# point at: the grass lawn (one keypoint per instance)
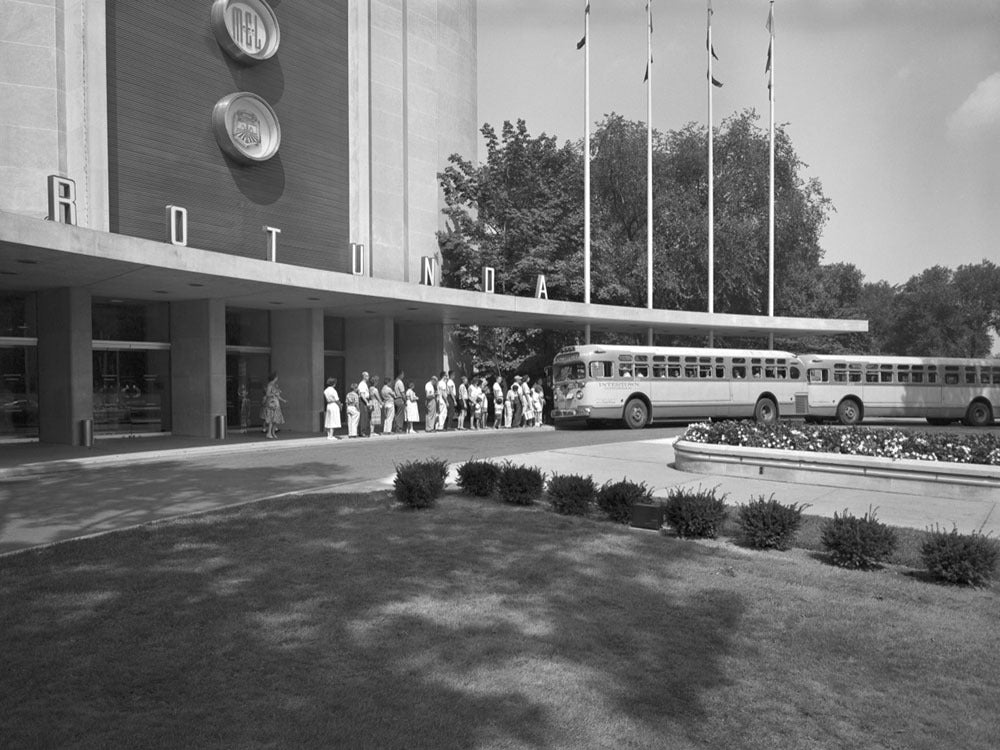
(347, 622)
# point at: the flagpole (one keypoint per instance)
(711, 181)
(586, 162)
(770, 222)
(649, 155)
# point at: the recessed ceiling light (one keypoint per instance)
(313, 299)
(276, 303)
(192, 283)
(370, 312)
(27, 262)
(160, 291)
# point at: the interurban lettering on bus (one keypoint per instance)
(640, 385)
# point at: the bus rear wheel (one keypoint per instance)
(849, 412)
(636, 414)
(979, 414)
(766, 411)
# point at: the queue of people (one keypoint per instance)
(375, 407)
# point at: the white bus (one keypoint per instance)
(640, 384)
(938, 389)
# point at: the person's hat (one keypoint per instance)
(517, 378)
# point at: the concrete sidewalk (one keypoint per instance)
(648, 461)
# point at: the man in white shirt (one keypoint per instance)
(463, 402)
(365, 417)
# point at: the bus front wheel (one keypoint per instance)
(636, 414)
(766, 411)
(849, 412)
(979, 414)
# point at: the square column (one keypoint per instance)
(369, 347)
(197, 365)
(297, 357)
(65, 365)
(420, 349)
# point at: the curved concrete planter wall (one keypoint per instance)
(937, 478)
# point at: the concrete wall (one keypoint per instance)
(54, 109)
(421, 107)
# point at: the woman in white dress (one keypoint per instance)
(412, 411)
(331, 420)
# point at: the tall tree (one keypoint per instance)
(521, 213)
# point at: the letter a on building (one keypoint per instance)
(540, 291)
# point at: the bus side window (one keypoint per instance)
(641, 370)
(794, 373)
(659, 371)
(932, 377)
(885, 376)
(819, 375)
(951, 378)
(690, 371)
(756, 371)
(904, 377)
(625, 370)
(720, 372)
(739, 372)
(600, 369)
(673, 371)
(871, 376)
(970, 375)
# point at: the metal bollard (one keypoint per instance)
(219, 427)
(87, 433)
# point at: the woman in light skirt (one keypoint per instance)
(331, 420)
(412, 410)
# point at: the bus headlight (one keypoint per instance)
(579, 393)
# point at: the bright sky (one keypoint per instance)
(894, 105)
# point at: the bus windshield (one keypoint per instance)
(569, 371)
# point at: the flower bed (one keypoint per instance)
(982, 448)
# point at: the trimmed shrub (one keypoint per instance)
(859, 543)
(968, 559)
(695, 514)
(478, 478)
(571, 495)
(617, 498)
(419, 483)
(768, 524)
(520, 485)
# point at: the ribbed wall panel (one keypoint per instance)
(166, 71)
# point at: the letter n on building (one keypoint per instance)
(428, 271)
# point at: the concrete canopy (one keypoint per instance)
(36, 255)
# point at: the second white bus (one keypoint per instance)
(849, 388)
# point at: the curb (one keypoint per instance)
(929, 478)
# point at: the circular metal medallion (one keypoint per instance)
(246, 29)
(246, 127)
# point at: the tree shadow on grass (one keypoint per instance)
(302, 623)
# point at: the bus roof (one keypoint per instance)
(684, 351)
(893, 360)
